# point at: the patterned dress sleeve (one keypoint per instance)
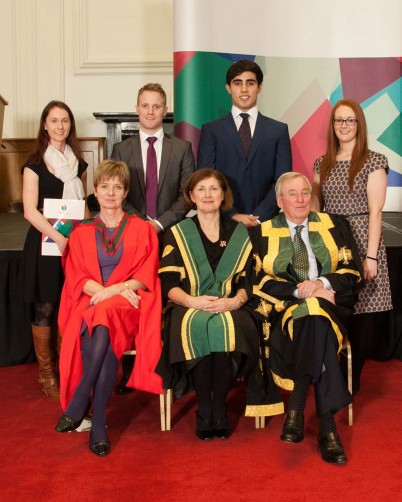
(317, 165)
(377, 161)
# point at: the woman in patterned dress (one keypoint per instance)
(351, 180)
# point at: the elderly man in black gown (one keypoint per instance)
(307, 273)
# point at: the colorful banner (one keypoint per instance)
(301, 89)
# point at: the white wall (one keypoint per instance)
(92, 54)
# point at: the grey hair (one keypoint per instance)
(290, 176)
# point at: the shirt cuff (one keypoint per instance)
(159, 224)
(325, 281)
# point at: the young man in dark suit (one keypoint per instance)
(251, 150)
(173, 162)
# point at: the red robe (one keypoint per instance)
(127, 325)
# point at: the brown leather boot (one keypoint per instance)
(43, 351)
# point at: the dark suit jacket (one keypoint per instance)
(252, 182)
(177, 165)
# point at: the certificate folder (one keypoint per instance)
(63, 215)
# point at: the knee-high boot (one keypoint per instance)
(43, 351)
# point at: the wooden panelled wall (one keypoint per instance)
(13, 154)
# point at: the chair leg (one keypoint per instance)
(350, 380)
(259, 422)
(169, 401)
(162, 405)
(165, 402)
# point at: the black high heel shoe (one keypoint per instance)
(101, 448)
(66, 424)
(204, 430)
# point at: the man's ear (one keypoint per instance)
(228, 89)
(279, 202)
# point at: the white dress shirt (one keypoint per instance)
(312, 262)
(252, 120)
(158, 150)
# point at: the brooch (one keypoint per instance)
(222, 244)
(345, 255)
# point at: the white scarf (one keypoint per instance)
(65, 166)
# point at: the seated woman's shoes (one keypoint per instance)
(293, 427)
(221, 428)
(331, 449)
(204, 429)
(66, 424)
(101, 448)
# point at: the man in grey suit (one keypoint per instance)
(251, 150)
(174, 165)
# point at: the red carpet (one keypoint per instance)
(145, 464)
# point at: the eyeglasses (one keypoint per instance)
(349, 121)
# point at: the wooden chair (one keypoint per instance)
(345, 351)
(163, 407)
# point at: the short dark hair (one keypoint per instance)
(240, 67)
(203, 174)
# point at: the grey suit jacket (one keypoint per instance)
(177, 165)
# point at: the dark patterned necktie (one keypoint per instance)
(151, 182)
(245, 133)
(300, 255)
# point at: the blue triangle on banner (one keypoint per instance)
(236, 57)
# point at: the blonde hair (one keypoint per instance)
(108, 169)
(155, 88)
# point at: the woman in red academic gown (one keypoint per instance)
(111, 299)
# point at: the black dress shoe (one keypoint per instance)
(221, 428)
(66, 424)
(101, 448)
(331, 449)
(121, 388)
(293, 427)
(204, 429)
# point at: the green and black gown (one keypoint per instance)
(199, 267)
(304, 337)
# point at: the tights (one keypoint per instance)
(45, 313)
(99, 373)
(212, 378)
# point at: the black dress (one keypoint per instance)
(42, 276)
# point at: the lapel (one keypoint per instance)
(257, 137)
(167, 146)
(139, 174)
(230, 128)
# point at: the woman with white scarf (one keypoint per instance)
(54, 171)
